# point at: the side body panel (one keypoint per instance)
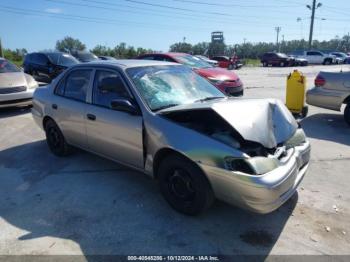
(333, 93)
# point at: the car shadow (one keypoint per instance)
(108, 209)
(14, 111)
(331, 127)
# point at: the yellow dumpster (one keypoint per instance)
(295, 94)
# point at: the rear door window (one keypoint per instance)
(163, 58)
(311, 53)
(149, 57)
(76, 85)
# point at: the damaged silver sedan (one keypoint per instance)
(170, 123)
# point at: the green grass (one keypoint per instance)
(252, 62)
(18, 63)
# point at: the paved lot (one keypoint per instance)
(87, 205)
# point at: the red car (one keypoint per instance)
(226, 81)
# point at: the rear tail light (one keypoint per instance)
(319, 81)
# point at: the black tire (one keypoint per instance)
(265, 64)
(184, 186)
(304, 111)
(347, 114)
(282, 64)
(327, 62)
(55, 139)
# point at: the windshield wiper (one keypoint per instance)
(164, 107)
(208, 98)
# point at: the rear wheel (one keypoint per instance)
(184, 185)
(55, 139)
(347, 114)
(265, 64)
(282, 64)
(304, 111)
(327, 62)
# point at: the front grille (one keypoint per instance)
(232, 89)
(10, 90)
(230, 83)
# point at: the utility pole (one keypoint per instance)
(313, 9)
(1, 51)
(278, 30)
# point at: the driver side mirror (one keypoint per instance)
(124, 105)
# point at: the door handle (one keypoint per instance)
(54, 106)
(91, 117)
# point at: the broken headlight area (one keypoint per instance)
(251, 166)
(297, 139)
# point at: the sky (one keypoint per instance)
(156, 24)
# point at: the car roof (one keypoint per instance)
(166, 54)
(49, 53)
(126, 63)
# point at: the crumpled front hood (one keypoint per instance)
(12, 79)
(265, 121)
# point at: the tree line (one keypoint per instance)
(244, 50)
(255, 50)
(121, 50)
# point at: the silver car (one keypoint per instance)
(331, 91)
(16, 87)
(206, 59)
(165, 120)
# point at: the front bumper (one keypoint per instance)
(264, 193)
(17, 99)
(231, 90)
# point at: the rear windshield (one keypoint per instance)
(86, 56)
(8, 67)
(282, 55)
(192, 61)
(62, 59)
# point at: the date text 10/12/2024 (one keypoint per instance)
(172, 258)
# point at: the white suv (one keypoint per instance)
(317, 57)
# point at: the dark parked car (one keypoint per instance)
(45, 66)
(84, 56)
(276, 59)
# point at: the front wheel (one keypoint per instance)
(347, 114)
(184, 185)
(282, 64)
(55, 139)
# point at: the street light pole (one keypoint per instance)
(278, 30)
(313, 8)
